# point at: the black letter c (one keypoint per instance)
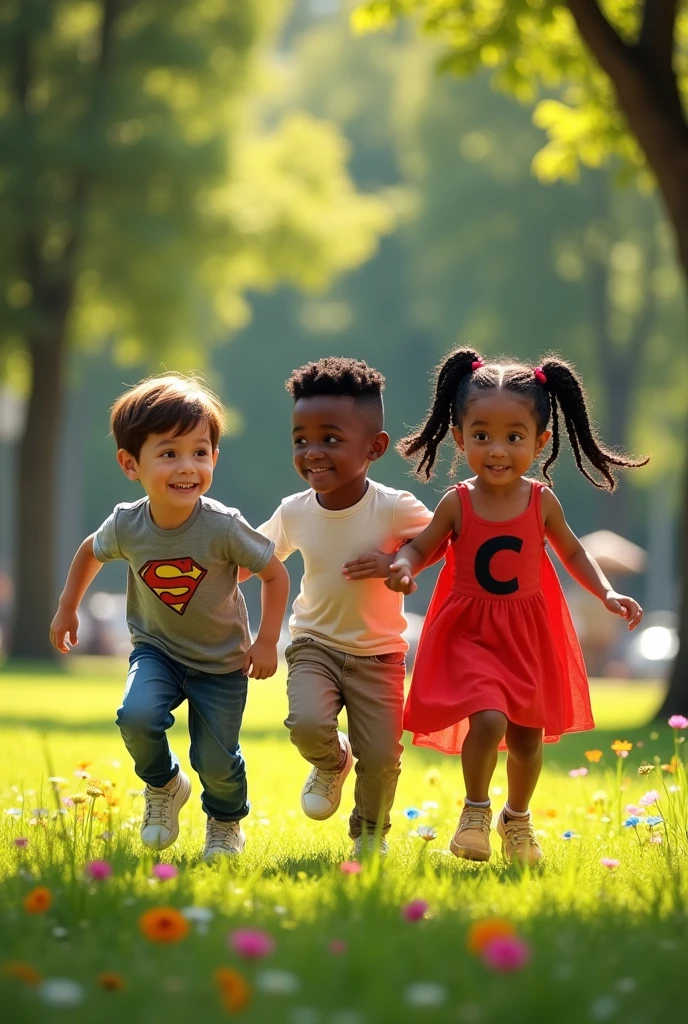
(484, 556)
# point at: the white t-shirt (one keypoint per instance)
(360, 617)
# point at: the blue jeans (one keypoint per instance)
(156, 685)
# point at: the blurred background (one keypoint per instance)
(247, 187)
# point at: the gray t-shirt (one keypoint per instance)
(182, 593)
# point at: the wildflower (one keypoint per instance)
(198, 915)
(551, 812)
(111, 981)
(20, 970)
(646, 769)
(21, 842)
(350, 867)
(425, 993)
(82, 775)
(57, 780)
(632, 822)
(338, 947)
(415, 910)
(61, 992)
(576, 773)
(674, 789)
(251, 943)
(278, 983)
(655, 838)
(95, 791)
(506, 953)
(14, 812)
(164, 872)
(98, 870)
(412, 813)
(622, 747)
(654, 820)
(426, 832)
(38, 900)
(83, 765)
(164, 924)
(595, 756)
(634, 809)
(609, 862)
(678, 722)
(432, 777)
(649, 798)
(569, 834)
(234, 989)
(672, 766)
(430, 805)
(76, 799)
(481, 933)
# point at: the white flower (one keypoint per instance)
(14, 812)
(82, 774)
(40, 812)
(277, 983)
(425, 993)
(198, 915)
(426, 832)
(603, 1008)
(61, 992)
(430, 805)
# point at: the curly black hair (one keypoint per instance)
(341, 377)
(549, 388)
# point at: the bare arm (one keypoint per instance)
(582, 566)
(83, 570)
(261, 658)
(415, 556)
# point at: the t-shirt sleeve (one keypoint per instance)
(410, 517)
(246, 547)
(105, 542)
(275, 531)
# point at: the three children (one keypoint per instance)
(498, 663)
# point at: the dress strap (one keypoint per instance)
(464, 498)
(538, 488)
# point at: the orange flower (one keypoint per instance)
(672, 766)
(481, 933)
(21, 971)
(551, 812)
(234, 989)
(111, 981)
(83, 765)
(164, 924)
(38, 900)
(618, 746)
(594, 755)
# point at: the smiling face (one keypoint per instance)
(335, 438)
(174, 471)
(499, 436)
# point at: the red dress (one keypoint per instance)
(498, 636)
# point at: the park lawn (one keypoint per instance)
(605, 944)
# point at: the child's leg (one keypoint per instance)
(374, 698)
(523, 765)
(479, 753)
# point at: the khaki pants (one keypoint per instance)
(321, 682)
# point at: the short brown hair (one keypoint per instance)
(169, 402)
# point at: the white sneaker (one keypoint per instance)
(321, 795)
(223, 838)
(370, 846)
(160, 826)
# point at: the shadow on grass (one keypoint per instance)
(43, 724)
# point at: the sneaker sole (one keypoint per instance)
(466, 853)
(340, 783)
(178, 801)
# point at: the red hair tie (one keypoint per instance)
(540, 374)
(477, 365)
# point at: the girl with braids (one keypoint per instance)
(499, 665)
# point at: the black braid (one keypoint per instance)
(556, 440)
(450, 374)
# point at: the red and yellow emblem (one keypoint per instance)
(173, 580)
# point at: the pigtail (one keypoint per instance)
(426, 440)
(568, 395)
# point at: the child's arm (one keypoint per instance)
(261, 658)
(377, 565)
(581, 565)
(83, 570)
(417, 554)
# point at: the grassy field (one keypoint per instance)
(603, 943)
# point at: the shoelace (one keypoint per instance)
(520, 831)
(157, 804)
(322, 782)
(475, 817)
(220, 832)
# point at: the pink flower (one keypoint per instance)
(415, 910)
(506, 953)
(350, 867)
(678, 722)
(338, 946)
(649, 798)
(609, 862)
(164, 872)
(251, 943)
(98, 870)
(576, 773)
(634, 809)
(21, 842)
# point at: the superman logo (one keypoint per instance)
(173, 580)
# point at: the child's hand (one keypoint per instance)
(626, 607)
(260, 661)
(65, 622)
(372, 565)
(400, 578)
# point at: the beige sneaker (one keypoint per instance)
(518, 840)
(369, 846)
(472, 837)
(160, 826)
(223, 838)
(321, 795)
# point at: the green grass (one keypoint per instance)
(604, 945)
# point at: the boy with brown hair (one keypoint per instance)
(186, 615)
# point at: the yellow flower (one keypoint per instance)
(78, 798)
(672, 766)
(594, 755)
(645, 769)
(482, 932)
(94, 790)
(234, 989)
(83, 765)
(21, 971)
(164, 924)
(38, 900)
(621, 746)
(111, 981)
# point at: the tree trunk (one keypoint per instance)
(36, 493)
